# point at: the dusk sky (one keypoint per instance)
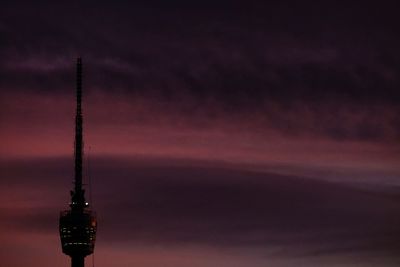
(217, 133)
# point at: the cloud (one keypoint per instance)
(167, 202)
(264, 101)
(249, 57)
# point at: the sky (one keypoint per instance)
(217, 133)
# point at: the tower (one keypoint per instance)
(78, 224)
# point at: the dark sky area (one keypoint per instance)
(217, 133)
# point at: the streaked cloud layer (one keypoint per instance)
(219, 134)
(171, 208)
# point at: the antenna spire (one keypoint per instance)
(78, 225)
(78, 195)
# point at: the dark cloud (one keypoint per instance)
(237, 56)
(232, 80)
(239, 208)
(330, 80)
(176, 203)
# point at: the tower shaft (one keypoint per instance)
(77, 261)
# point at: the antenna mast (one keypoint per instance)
(78, 195)
(78, 225)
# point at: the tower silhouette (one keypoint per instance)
(78, 224)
